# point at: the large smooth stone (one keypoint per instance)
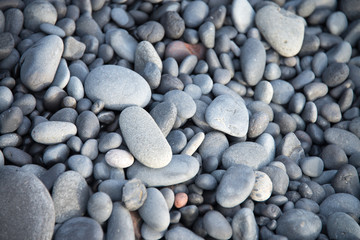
(340, 202)
(299, 224)
(228, 115)
(341, 226)
(53, 132)
(346, 140)
(235, 186)
(180, 169)
(283, 30)
(26, 207)
(250, 154)
(144, 138)
(117, 87)
(40, 62)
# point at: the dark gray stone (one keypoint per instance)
(340, 202)
(79, 228)
(216, 225)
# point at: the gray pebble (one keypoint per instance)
(36, 13)
(346, 180)
(185, 105)
(342, 226)
(81, 164)
(286, 122)
(303, 79)
(310, 112)
(90, 149)
(86, 25)
(69, 186)
(207, 34)
(337, 23)
(264, 92)
(279, 179)
(173, 23)
(99, 207)
(178, 233)
(315, 90)
(283, 91)
(62, 75)
(253, 60)
(79, 228)
(177, 141)
(79, 69)
(289, 224)
(10, 120)
(181, 168)
(120, 218)
(14, 20)
(112, 86)
(73, 49)
(335, 74)
(194, 91)
(151, 31)
(109, 141)
(155, 211)
(170, 66)
(242, 15)
(88, 125)
(7, 98)
(145, 52)
(51, 29)
(233, 114)
(144, 138)
(122, 18)
(49, 177)
(244, 225)
(216, 225)
(52, 132)
(56, 154)
(152, 75)
(28, 203)
(112, 187)
(134, 194)
(331, 112)
(123, 43)
(340, 53)
(195, 13)
(67, 25)
(340, 202)
(235, 186)
(148, 233)
(312, 166)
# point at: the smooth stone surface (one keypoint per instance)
(119, 158)
(283, 91)
(123, 43)
(143, 137)
(178, 233)
(340, 202)
(134, 194)
(235, 186)
(180, 169)
(228, 115)
(242, 15)
(346, 180)
(38, 12)
(283, 30)
(185, 105)
(312, 166)
(145, 52)
(10, 120)
(164, 115)
(100, 206)
(108, 83)
(263, 187)
(244, 225)
(40, 62)
(79, 228)
(120, 219)
(346, 140)
(342, 226)
(253, 60)
(155, 212)
(26, 206)
(52, 132)
(299, 224)
(250, 154)
(279, 178)
(70, 195)
(195, 13)
(216, 225)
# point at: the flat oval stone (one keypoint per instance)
(346, 140)
(235, 186)
(70, 195)
(180, 169)
(26, 207)
(40, 62)
(52, 132)
(228, 115)
(299, 224)
(117, 87)
(253, 60)
(80, 228)
(283, 30)
(119, 158)
(340, 202)
(342, 226)
(123, 43)
(144, 138)
(244, 225)
(242, 15)
(155, 212)
(250, 154)
(120, 219)
(216, 225)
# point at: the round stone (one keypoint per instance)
(26, 207)
(263, 187)
(38, 12)
(99, 206)
(52, 132)
(134, 194)
(216, 225)
(80, 228)
(119, 158)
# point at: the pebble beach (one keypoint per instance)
(179, 119)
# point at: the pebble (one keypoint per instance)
(28, 203)
(144, 138)
(342, 226)
(235, 186)
(279, 179)
(81, 164)
(40, 62)
(214, 145)
(181, 168)
(207, 34)
(340, 202)
(155, 211)
(195, 13)
(122, 43)
(111, 86)
(263, 187)
(52, 132)
(181, 200)
(299, 224)
(17, 156)
(145, 52)
(312, 166)
(70, 195)
(122, 18)
(205, 83)
(346, 180)
(283, 91)
(335, 74)
(337, 23)
(342, 138)
(80, 228)
(250, 154)
(120, 219)
(174, 24)
(340, 53)
(88, 125)
(177, 141)
(179, 232)
(73, 49)
(119, 158)
(244, 225)
(179, 50)
(7, 98)
(228, 115)
(242, 15)
(283, 30)
(216, 225)
(109, 141)
(99, 206)
(38, 12)
(10, 120)
(253, 60)
(185, 105)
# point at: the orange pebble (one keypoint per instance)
(180, 50)
(181, 200)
